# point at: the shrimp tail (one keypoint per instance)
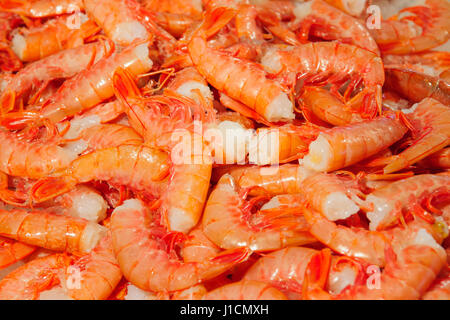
(125, 86)
(316, 275)
(215, 21)
(51, 187)
(19, 120)
(232, 256)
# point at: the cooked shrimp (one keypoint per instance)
(99, 273)
(137, 240)
(50, 231)
(28, 281)
(283, 269)
(431, 28)
(284, 179)
(333, 61)
(245, 290)
(417, 86)
(183, 201)
(253, 89)
(148, 175)
(87, 89)
(334, 198)
(362, 244)
(42, 8)
(341, 147)
(319, 19)
(53, 36)
(35, 76)
(121, 20)
(33, 160)
(229, 222)
(431, 123)
(407, 275)
(405, 195)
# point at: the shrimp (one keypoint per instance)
(417, 86)
(253, 89)
(183, 201)
(341, 147)
(35, 76)
(246, 25)
(33, 160)
(148, 174)
(121, 20)
(28, 281)
(245, 290)
(42, 8)
(137, 241)
(50, 231)
(82, 202)
(12, 251)
(87, 89)
(99, 273)
(312, 62)
(336, 199)
(431, 28)
(318, 18)
(285, 179)
(431, 123)
(229, 222)
(358, 243)
(53, 36)
(283, 269)
(405, 195)
(408, 273)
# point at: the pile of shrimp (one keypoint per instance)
(224, 149)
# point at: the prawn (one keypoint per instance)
(50, 231)
(229, 222)
(34, 77)
(99, 272)
(405, 195)
(191, 169)
(334, 62)
(41, 8)
(431, 28)
(85, 90)
(53, 36)
(253, 89)
(362, 244)
(341, 147)
(417, 86)
(28, 281)
(245, 290)
(440, 159)
(138, 242)
(148, 174)
(407, 275)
